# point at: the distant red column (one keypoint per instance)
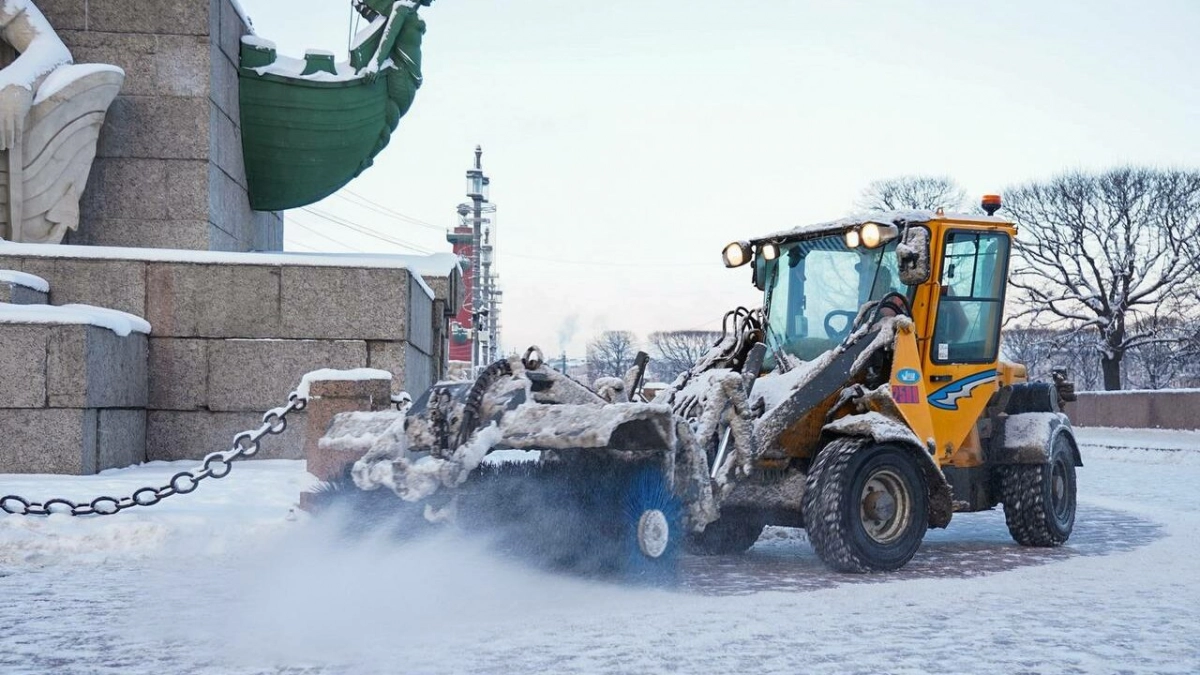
(461, 238)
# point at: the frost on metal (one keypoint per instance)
(612, 389)
(883, 340)
(588, 426)
(1026, 437)
(914, 257)
(841, 224)
(775, 389)
(559, 418)
(874, 425)
(416, 476)
(361, 431)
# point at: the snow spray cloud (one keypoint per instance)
(316, 596)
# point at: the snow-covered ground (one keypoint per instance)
(230, 580)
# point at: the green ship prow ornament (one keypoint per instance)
(310, 125)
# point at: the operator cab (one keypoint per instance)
(817, 279)
(813, 292)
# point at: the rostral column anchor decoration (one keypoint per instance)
(50, 117)
(311, 125)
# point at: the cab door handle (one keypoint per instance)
(939, 378)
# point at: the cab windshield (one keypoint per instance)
(815, 288)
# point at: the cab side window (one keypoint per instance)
(974, 270)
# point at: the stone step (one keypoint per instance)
(73, 389)
(20, 288)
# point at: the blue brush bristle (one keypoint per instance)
(647, 490)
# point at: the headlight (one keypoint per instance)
(870, 235)
(852, 239)
(736, 254)
(769, 251)
(874, 234)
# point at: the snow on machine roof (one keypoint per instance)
(842, 224)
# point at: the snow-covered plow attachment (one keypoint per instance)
(590, 481)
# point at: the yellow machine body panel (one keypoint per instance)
(908, 386)
(957, 314)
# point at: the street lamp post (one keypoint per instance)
(485, 295)
(477, 192)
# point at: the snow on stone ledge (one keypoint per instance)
(25, 280)
(118, 322)
(354, 374)
(434, 264)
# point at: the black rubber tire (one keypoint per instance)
(1039, 499)
(731, 534)
(834, 507)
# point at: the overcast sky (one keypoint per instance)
(628, 141)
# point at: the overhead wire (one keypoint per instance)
(605, 263)
(359, 200)
(362, 229)
(314, 231)
(301, 246)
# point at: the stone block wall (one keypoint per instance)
(17, 294)
(168, 171)
(72, 398)
(232, 334)
(1162, 409)
(448, 296)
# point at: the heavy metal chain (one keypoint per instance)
(215, 465)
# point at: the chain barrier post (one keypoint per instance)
(328, 398)
(214, 465)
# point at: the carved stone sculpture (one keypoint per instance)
(51, 112)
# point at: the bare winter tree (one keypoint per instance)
(675, 351)
(611, 353)
(1034, 348)
(1162, 363)
(913, 192)
(1106, 255)
(1041, 350)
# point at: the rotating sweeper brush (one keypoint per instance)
(591, 518)
(601, 489)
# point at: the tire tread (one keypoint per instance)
(1025, 508)
(824, 521)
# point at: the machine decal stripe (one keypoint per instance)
(948, 396)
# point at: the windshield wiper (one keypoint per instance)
(772, 335)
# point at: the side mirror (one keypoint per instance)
(913, 255)
(759, 276)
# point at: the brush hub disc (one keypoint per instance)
(653, 533)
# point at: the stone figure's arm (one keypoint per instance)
(41, 51)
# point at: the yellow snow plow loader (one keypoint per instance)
(864, 401)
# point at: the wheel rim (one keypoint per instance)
(885, 506)
(1059, 490)
(653, 533)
